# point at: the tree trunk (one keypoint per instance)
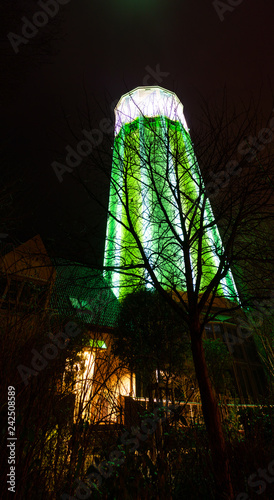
(212, 419)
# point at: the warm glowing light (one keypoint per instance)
(83, 384)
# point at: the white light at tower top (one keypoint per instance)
(148, 101)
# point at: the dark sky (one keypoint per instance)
(94, 52)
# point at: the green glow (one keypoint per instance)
(80, 303)
(98, 344)
(75, 302)
(154, 171)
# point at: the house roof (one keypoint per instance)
(28, 260)
(82, 293)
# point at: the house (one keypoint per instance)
(36, 290)
(38, 298)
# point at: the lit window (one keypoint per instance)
(99, 344)
(81, 304)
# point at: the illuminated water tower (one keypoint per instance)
(157, 199)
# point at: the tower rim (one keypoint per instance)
(147, 87)
(151, 101)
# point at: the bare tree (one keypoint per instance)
(183, 229)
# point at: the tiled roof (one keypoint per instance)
(83, 293)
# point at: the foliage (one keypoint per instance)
(151, 337)
(258, 422)
(175, 462)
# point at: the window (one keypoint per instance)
(21, 295)
(11, 293)
(209, 332)
(82, 305)
(84, 371)
(99, 344)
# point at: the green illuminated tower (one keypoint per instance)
(160, 222)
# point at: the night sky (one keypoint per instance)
(85, 57)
